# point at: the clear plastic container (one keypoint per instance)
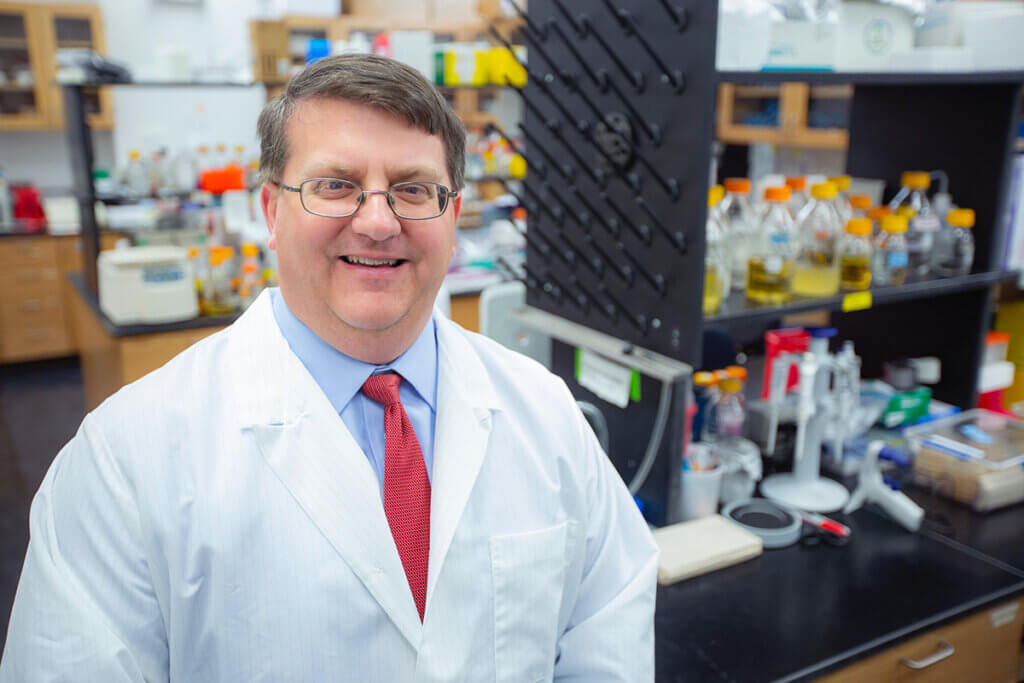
(877, 214)
(740, 225)
(889, 263)
(855, 255)
(220, 297)
(922, 222)
(731, 410)
(817, 265)
(716, 256)
(861, 204)
(843, 205)
(770, 266)
(953, 252)
(135, 176)
(798, 196)
(251, 283)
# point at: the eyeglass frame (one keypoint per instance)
(451, 194)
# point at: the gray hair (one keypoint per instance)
(372, 80)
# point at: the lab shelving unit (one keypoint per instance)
(622, 250)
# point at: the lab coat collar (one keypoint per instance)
(310, 450)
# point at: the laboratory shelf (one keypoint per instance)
(904, 78)
(738, 308)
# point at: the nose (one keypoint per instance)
(375, 219)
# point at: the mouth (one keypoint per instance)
(372, 262)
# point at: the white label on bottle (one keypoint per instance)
(773, 265)
(607, 379)
(929, 223)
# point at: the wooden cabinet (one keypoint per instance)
(35, 303)
(791, 114)
(30, 35)
(983, 648)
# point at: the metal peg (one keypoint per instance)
(652, 129)
(600, 78)
(679, 15)
(624, 272)
(638, 321)
(569, 172)
(612, 226)
(671, 76)
(539, 30)
(641, 231)
(676, 238)
(568, 17)
(656, 280)
(635, 77)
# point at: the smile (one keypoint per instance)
(373, 262)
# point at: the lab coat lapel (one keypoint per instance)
(315, 457)
(465, 401)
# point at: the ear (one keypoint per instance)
(269, 194)
(456, 210)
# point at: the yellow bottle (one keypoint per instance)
(817, 268)
(855, 255)
(770, 267)
(716, 263)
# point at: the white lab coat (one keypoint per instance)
(215, 521)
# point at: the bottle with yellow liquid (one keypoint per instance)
(855, 255)
(889, 262)
(817, 265)
(716, 255)
(770, 267)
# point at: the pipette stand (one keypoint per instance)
(804, 488)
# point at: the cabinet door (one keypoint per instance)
(78, 26)
(24, 81)
(748, 114)
(816, 116)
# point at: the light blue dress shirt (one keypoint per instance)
(341, 378)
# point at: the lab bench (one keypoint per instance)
(870, 610)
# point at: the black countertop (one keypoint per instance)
(998, 535)
(798, 613)
(115, 330)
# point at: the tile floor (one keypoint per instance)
(41, 406)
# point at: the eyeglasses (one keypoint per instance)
(337, 198)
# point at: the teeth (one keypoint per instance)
(359, 260)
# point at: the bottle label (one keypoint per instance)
(773, 265)
(898, 259)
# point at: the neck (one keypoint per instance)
(376, 347)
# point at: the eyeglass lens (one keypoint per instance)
(338, 198)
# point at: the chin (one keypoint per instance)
(372, 317)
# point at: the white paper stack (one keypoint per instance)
(703, 545)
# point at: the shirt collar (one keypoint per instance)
(340, 376)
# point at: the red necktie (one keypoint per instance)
(406, 486)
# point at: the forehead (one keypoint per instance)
(352, 135)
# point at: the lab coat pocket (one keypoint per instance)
(528, 570)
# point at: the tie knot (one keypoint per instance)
(383, 388)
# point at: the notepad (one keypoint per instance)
(703, 545)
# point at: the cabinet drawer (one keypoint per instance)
(29, 280)
(25, 251)
(32, 310)
(982, 648)
(30, 343)
(69, 249)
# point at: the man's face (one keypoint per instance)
(338, 299)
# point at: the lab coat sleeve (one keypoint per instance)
(85, 609)
(610, 633)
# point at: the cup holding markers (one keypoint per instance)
(701, 483)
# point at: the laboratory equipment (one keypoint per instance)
(716, 256)
(842, 200)
(699, 487)
(741, 227)
(922, 221)
(877, 214)
(740, 460)
(147, 285)
(855, 255)
(975, 457)
(889, 263)
(804, 488)
(798, 197)
(730, 410)
(219, 297)
(871, 488)
(704, 384)
(770, 266)
(777, 342)
(775, 525)
(953, 253)
(251, 283)
(819, 227)
(861, 205)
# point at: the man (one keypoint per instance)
(217, 521)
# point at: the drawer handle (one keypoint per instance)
(945, 651)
